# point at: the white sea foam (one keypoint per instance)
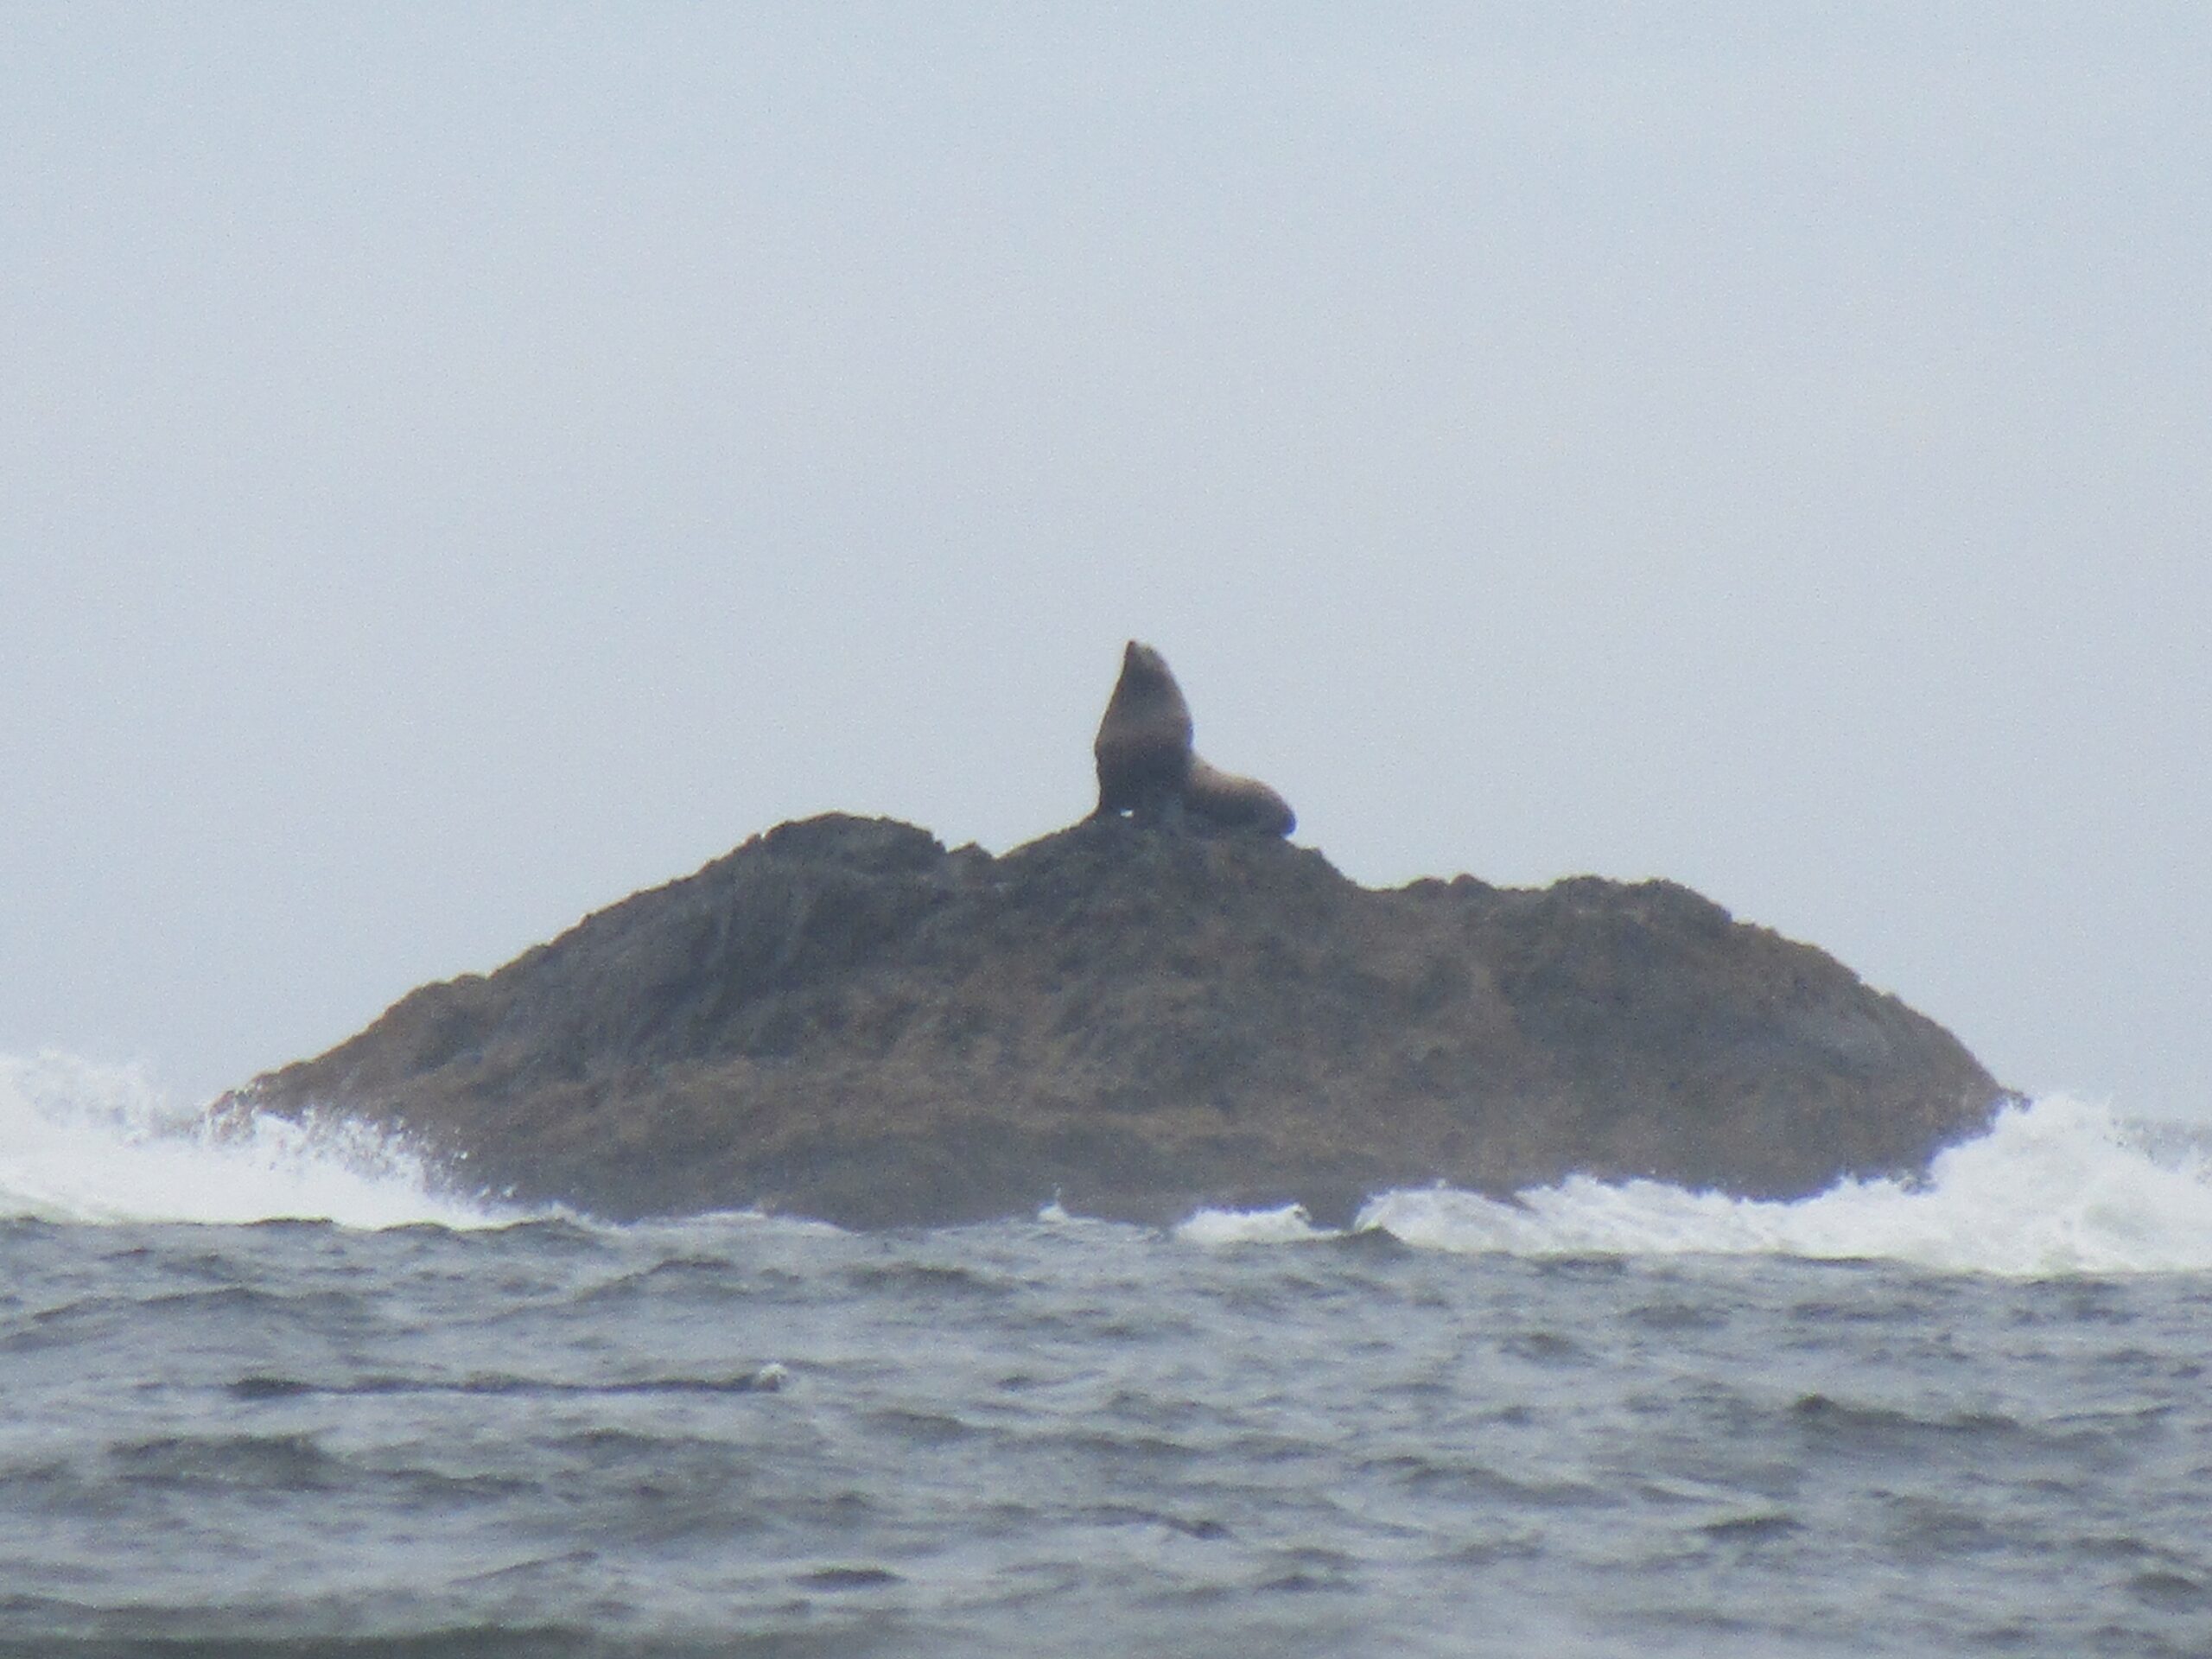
(82, 1141)
(2056, 1187)
(1288, 1225)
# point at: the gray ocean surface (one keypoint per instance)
(748, 1436)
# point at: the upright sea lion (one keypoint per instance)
(1146, 764)
(1143, 748)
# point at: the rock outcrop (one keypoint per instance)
(842, 1018)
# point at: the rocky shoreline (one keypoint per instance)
(842, 1018)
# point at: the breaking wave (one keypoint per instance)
(2055, 1187)
(82, 1141)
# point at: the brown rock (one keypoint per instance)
(841, 1018)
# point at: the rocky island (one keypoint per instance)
(1139, 1015)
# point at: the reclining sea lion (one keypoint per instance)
(1233, 802)
(1146, 765)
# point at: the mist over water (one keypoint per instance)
(82, 1141)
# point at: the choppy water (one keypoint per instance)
(1970, 1418)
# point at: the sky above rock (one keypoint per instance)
(460, 465)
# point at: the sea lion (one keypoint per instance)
(1233, 802)
(1143, 746)
(1147, 765)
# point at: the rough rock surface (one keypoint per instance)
(844, 1020)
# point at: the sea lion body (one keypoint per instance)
(1146, 765)
(1223, 800)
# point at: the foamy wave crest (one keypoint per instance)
(1288, 1225)
(2056, 1187)
(81, 1141)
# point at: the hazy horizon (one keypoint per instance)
(466, 466)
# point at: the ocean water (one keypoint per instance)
(279, 1396)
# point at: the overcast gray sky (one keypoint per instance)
(461, 464)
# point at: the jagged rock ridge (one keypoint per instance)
(841, 1018)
